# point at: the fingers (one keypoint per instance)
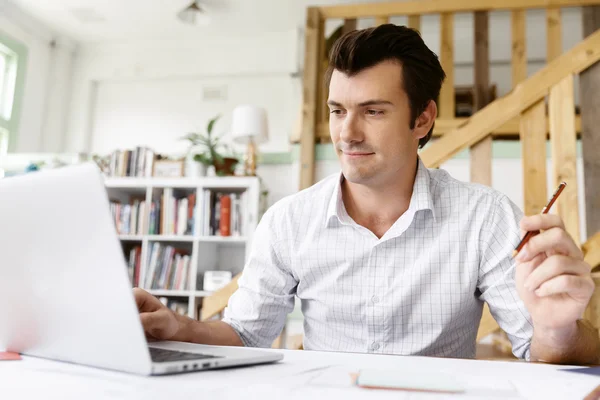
(539, 222)
(553, 267)
(552, 241)
(159, 324)
(578, 287)
(145, 301)
(528, 267)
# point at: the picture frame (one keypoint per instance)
(168, 168)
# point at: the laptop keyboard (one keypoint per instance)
(162, 355)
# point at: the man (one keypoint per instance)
(388, 256)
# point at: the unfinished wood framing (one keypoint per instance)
(414, 22)
(591, 250)
(382, 20)
(508, 130)
(561, 104)
(481, 153)
(580, 57)
(420, 7)
(589, 95)
(533, 154)
(553, 33)
(446, 103)
(214, 304)
(519, 47)
(313, 42)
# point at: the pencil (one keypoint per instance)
(545, 210)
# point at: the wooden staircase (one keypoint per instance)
(538, 107)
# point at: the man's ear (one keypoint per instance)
(425, 121)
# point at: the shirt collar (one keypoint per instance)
(421, 198)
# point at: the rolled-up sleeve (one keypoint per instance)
(499, 236)
(258, 310)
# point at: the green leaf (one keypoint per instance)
(211, 123)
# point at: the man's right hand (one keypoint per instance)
(159, 322)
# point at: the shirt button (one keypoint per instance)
(375, 346)
(375, 299)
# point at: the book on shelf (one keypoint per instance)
(134, 262)
(178, 306)
(168, 268)
(172, 215)
(129, 218)
(223, 213)
(138, 162)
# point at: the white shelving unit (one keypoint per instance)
(208, 253)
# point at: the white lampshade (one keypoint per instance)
(249, 122)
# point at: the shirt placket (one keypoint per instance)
(375, 304)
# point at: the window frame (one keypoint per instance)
(18, 50)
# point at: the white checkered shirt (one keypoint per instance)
(419, 290)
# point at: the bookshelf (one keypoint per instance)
(173, 230)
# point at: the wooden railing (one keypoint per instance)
(314, 123)
(536, 108)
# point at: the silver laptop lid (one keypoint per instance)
(64, 288)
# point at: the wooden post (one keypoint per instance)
(589, 89)
(533, 156)
(553, 33)
(561, 106)
(447, 101)
(314, 33)
(519, 47)
(381, 20)
(414, 22)
(481, 153)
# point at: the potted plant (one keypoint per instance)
(210, 151)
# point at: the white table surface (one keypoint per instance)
(306, 375)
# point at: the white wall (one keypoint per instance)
(44, 111)
(151, 92)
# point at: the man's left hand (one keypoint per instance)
(552, 279)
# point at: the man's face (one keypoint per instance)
(369, 124)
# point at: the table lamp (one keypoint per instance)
(249, 126)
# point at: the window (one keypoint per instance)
(8, 75)
(13, 57)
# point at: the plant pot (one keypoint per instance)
(226, 167)
(194, 169)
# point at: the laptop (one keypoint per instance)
(65, 292)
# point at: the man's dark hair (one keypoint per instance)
(422, 73)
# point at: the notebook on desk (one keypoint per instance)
(65, 293)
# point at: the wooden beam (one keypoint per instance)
(589, 95)
(591, 250)
(215, 304)
(561, 104)
(419, 7)
(508, 130)
(533, 156)
(349, 25)
(553, 33)
(519, 47)
(481, 153)
(592, 313)
(447, 100)
(414, 22)
(382, 20)
(312, 39)
(497, 113)
(487, 324)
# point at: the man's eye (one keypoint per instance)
(337, 112)
(374, 112)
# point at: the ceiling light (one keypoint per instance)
(194, 14)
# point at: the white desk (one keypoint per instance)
(304, 375)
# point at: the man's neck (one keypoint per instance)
(377, 207)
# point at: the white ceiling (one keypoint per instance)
(117, 20)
